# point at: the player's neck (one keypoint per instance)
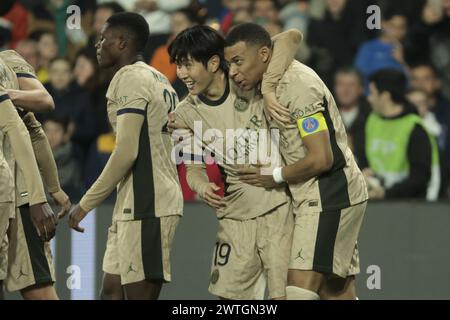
(127, 60)
(217, 87)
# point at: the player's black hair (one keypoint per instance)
(200, 43)
(250, 33)
(392, 81)
(135, 27)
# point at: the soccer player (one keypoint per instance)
(328, 190)
(33, 223)
(149, 199)
(255, 224)
(31, 96)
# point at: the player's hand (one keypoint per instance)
(62, 200)
(76, 214)
(44, 220)
(274, 110)
(367, 172)
(211, 198)
(377, 193)
(173, 125)
(254, 177)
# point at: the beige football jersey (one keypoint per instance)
(304, 93)
(41, 147)
(8, 79)
(232, 129)
(17, 63)
(151, 188)
(6, 177)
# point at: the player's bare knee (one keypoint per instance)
(111, 288)
(143, 290)
(40, 292)
(338, 289)
(309, 280)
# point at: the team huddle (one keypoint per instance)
(288, 225)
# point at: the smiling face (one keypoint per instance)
(247, 64)
(194, 75)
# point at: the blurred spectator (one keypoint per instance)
(295, 15)
(157, 13)
(73, 101)
(180, 20)
(353, 106)
(88, 76)
(18, 17)
(334, 39)
(410, 8)
(51, 15)
(424, 77)
(101, 14)
(231, 7)
(5, 33)
(98, 156)
(56, 129)
(399, 150)
(386, 51)
(28, 49)
(419, 99)
(265, 12)
(47, 51)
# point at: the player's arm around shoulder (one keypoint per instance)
(285, 47)
(32, 95)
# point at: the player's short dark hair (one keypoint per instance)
(350, 70)
(113, 6)
(392, 81)
(250, 33)
(200, 43)
(134, 25)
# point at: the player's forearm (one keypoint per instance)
(285, 47)
(25, 159)
(13, 126)
(305, 169)
(43, 153)
(36, 100)
(119, 164)
(196, 177)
